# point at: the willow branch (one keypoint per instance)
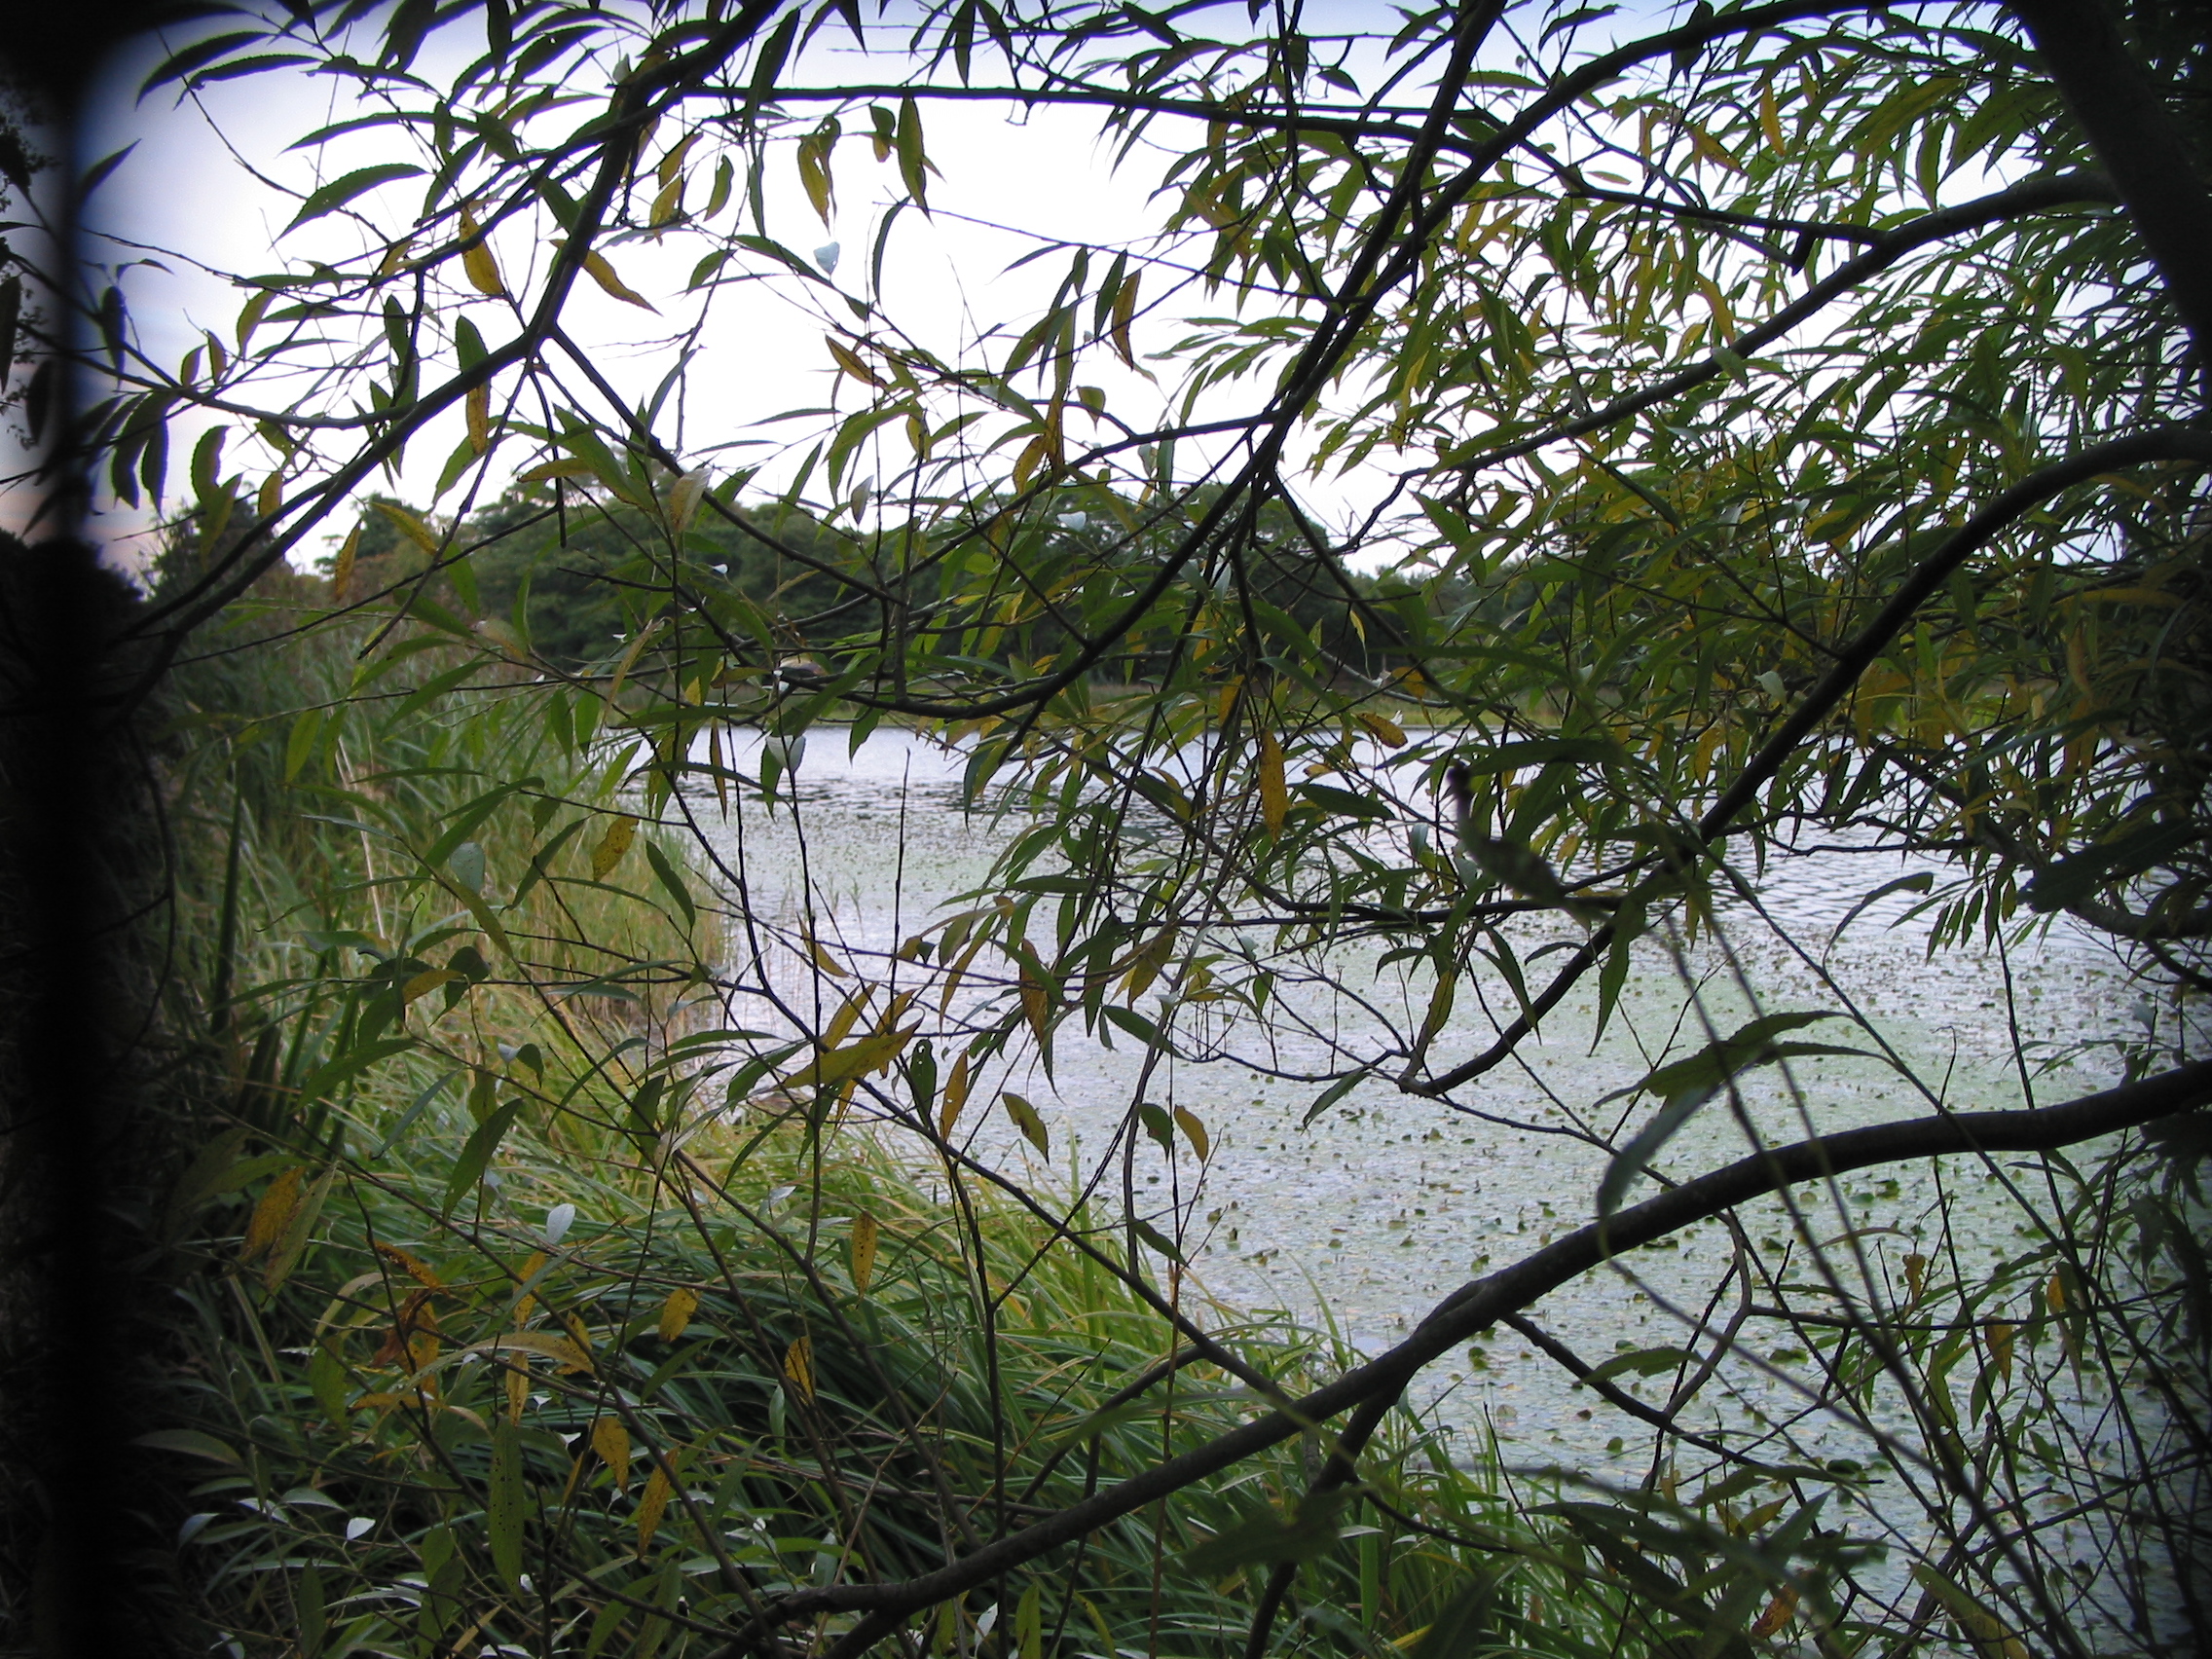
(2167, 443)
(640, 100)
(2034, 196)
(1492, 1300)
(2129, 123)
(1370, 276)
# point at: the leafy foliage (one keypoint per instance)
(1784, 423)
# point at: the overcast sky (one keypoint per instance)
(186, 189)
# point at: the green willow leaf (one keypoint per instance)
(346, 188)
(506, 1501)
(476, 1154)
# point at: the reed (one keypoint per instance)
(515, 1335)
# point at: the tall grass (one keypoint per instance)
(530, 1312)
(508, 1331)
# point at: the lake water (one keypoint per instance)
(1387, 1204)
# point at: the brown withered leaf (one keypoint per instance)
(676, 1312)
(1777, 1612)
(414, 1267)
(415, 1319)
(272, 1215)
(612, 1441)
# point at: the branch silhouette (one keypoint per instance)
(1487, 1301)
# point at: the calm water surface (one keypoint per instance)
(1368, 1217)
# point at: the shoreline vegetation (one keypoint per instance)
(517, 1308)
(375, 1369)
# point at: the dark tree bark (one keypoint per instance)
(2122, 111)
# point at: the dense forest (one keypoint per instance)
(554, 569)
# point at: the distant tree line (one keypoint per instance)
(575, 572)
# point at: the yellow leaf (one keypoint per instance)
(683, 500)
(668, 202)
(1701, 760)
(955, 1096)
(1999, 1335)
(1760, 1516)
(1777, 1612)
(959, 968)
(798, 1367)
(1039, 450)
(1722, 311)
(530, 1271)
(866, 1233)
(2054, 1293)
(573, 1324)
(272, 1215)
(476, 261)
(630, 657)
(429, 979)
(1274, 791)
(1989, 1633)
(272, 494)
(612, 846)
(1229, 696)
(852, 366)
(569, 467)
(414, 1267)
(822, 960)
(412, 1341)
(1439, 1006)
(676, 1312)
(1124, 310)
(284, 1254)
(650, 1505)
(518, 1392)
(814, 172)
(1146, 963)
(478, 406)
(1036, 1003)
(673, 158)
(1915, 1275)
(2126, 596)
(342, 570)
(842, 1021)
(612, 1441)
(409, 526)
(601, 271)
(1386, 730)
(1193, 1132)
(1770, 118)
(1711, 149)
(856, 1059)
(570, 1356)
(1026, 1120)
